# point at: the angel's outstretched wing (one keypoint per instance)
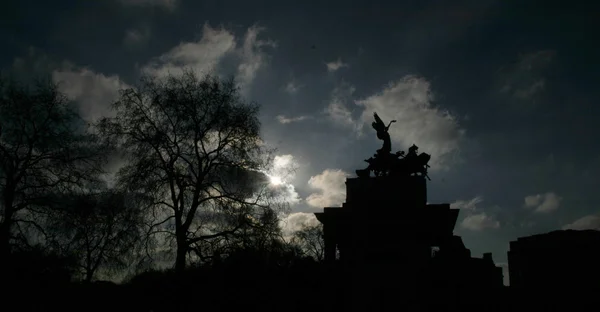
(378, 123)
(378, 120)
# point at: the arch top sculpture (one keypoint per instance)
(384, 163)
(382, 133)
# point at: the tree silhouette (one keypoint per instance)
(44, 149)
(99, 229)
(310, 239)
(195, 157)
(261, 236)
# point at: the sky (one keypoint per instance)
(500, 93)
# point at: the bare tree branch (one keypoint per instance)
(193, 146)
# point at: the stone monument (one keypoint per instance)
(387, 230)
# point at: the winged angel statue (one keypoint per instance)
(384, 163)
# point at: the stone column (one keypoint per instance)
(330, 242)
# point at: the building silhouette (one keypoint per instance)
(555, 260)
(385, 237)
(386, 247)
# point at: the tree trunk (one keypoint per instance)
(5, 226)
(5, 239)
(89, 275)
(5, 248)
(180, 258)
(182, 248)
(89, 271)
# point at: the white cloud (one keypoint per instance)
(295, 221)
(524, 79)
(331, 186)
(335, 65)
(409, 101)
(527, 224)
(476, 220)
(202, 56)
(284, 166)
(208, 55)
(340, 113)
(168, 4)
(543, 203)
(292, 87)
(532, 90)
(535, 60)
(283, 161)
(284, 169)
(286, 120)
(135, 37)
(532, 200)
(33, 65)
(253, 58)
(467, 204)
(286, 192)
(479, 222)
(590, 222)
(338, 110)
(93, 92)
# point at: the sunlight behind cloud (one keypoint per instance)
(280, 176)
(275, 180)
